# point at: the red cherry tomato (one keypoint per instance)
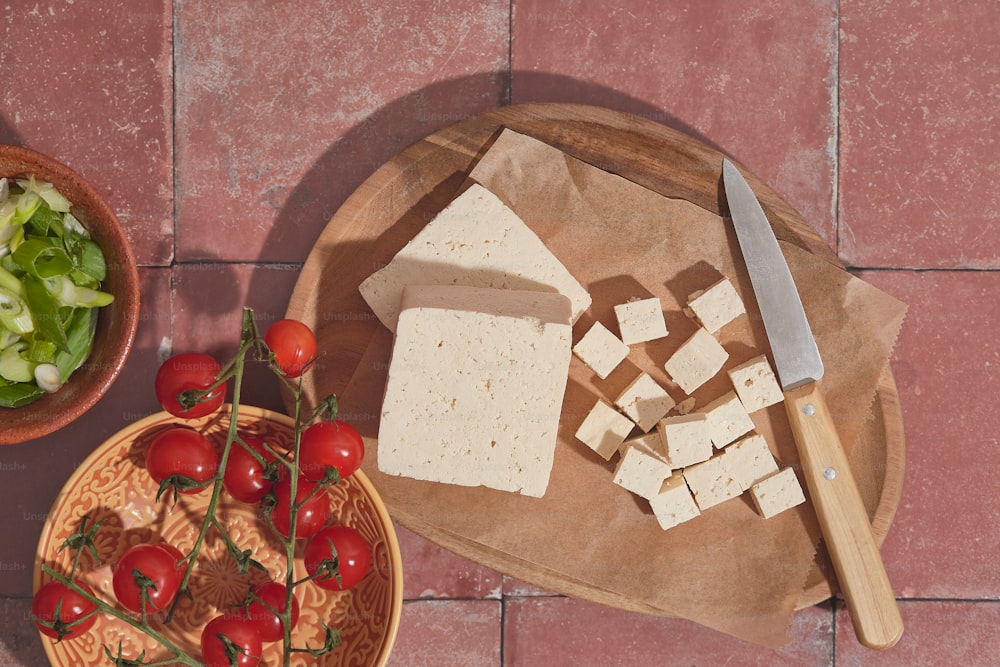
(244, 477)
(311, 516)
(183, 372)
(333, 444)
(293, 345)
(149, 564)
(181, 455)
(268, 623)
(76, 613)
(352, 553)
(245, 642)
(177, 555)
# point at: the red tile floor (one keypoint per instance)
(226, 133)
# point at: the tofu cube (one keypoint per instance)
(695, 362)
(651, 443)
(640, 320)
(674, 503)
(604, 429)
(755, 384)
(601, 350)
(711, 482)
(686, 439)
(641, 472)
(685, 406)
(727, 419)
(645, 402)
(777, 493)
(750, 460)
(716, 306)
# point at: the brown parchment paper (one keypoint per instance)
(729, 569)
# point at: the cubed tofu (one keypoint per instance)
(777, 493)
(716, 306)
(604, 429)
(755, 384)
(601, 350)
(650, 442)
(641, 472)
(727, 419)
(750, 460)
(695, 362)
(674, 503)
(686, 439)
(640, 320)
(711, 482)
(685, 406)
(645, 402)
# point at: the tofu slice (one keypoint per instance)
(475, 241)
(640, 320)
(687, 439)
(641, 472)
(695, 362)
(750, 460)
(727, 419)
(475, 387)
(777, 493)
(674, 503)
(716, 306)
(600, 350)
(711, 482)
(604, 429)
(645, 402)
(756, 384)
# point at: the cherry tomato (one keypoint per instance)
(333, 444)
(311, 516)
(177, 555)
(179, 452)
(73, 609)
(183, 372)
(353, 556)
(244, 640)
(153, 564)
(244, 477)
(293, 345)
(268, 623)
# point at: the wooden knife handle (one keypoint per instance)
(843, 520)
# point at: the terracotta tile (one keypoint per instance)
(20, 645)
(448, 633)
(704, 67)
(919, 160)
(433, 572)
(89, 84)
(945, 366)
(936, 633)
(270, 145)
(564, 631)
(32, 473)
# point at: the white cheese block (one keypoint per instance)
(674, 503)
(640, 320)
(644, 401)
(641, 472)
(475, 241)
(716, 306)
(601, 350)
(750, 460)
(475, 387)
(695, 362)
(604, 429)
(755, 384)
(727, 419)
(777, 493)
(687, 439)
(711, 482)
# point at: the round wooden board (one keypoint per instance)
(422, 179)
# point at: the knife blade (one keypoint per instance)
(838, 505)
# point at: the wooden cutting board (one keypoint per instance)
(422, 179)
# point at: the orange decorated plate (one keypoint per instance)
(113, 486)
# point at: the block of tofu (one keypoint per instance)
(727, 419)
(640, 320)
(475, 241)
(711, 482)
(651, 443)
(686, 439)
(685, 406)
(641, 472)
(755, 384)
(716, 306)
(750, 460)
(475, 387)
(777, 493)
(645, 402)
(604, 429)
(601, 350)
(674, 503)
(695, 362)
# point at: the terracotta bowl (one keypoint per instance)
(116, 324)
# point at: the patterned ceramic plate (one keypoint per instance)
(112, 485)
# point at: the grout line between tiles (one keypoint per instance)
(835, 149)
(510, 52)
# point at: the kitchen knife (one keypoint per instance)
(838, 505)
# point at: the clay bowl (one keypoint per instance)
(116, 324)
